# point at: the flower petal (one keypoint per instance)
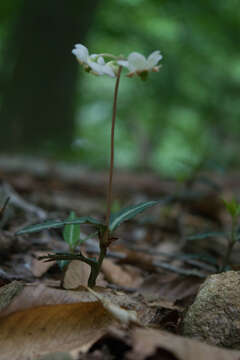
(136, 62)
(100, 60)
(123, 63)
(97, 68)
(108, 70)
(81, 52)
(153, 59)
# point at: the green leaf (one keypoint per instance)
(129, 212)
(71, 232)
(205, 235)
(53, 224)
(232, 207)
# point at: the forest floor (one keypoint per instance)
(149, 278)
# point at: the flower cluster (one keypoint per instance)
(93, 63)
(136, 63)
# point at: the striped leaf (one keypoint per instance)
(206, 235)
(129, 213)
(71, 232)
(53, 224)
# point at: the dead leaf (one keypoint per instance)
(156, 344)
(40, 267)
(146, 344)
(35, 331)
(116, 274)
(41, 320)
(141, 260)
(77, 274)
(56, 356)
(169, 287)
(125, 317)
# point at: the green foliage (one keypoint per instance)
(53, 224)
(129, 213)
(8, 9)
(191, 109)
(232, 237)
(206, 235)
(233, 207)
(71, 235)
(71, 232)
(71, 226)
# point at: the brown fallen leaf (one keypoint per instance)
(156, 344)
(145, 344)
(41, 320)
(40, 267)
(125, 317)
(38, 320)
(169, 287)
(77, 275)
(56, 356)
(118, 275)
(35, 331)
(36, 294)
(141, 260)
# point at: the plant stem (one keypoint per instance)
(109, 190)
(95, 268)
(231, 243)
(111, 56)
(62, 256)
(104, 238)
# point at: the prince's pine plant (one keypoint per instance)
(232, 236)
(96, 64)
(233, 208)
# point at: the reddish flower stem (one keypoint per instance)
(109, 190)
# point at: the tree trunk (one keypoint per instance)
(37, 111)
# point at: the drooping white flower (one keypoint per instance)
(99, 67)
(140, 65)
(81, 52)
(93, 63)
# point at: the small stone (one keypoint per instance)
(214, 317)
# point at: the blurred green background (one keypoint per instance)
(187, 114)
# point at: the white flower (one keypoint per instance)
(93, 63)
(138, 64)
(81, 52)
